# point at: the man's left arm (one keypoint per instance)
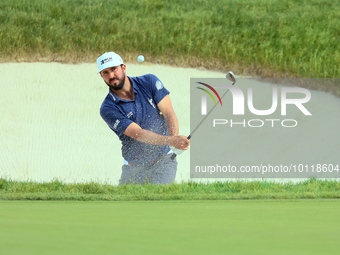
(169, 114)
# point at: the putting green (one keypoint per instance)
(195, 227)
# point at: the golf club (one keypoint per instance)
(231, 77)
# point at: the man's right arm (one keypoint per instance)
(136, 132)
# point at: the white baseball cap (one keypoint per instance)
(108, 59)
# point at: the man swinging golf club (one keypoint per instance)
(139, 111)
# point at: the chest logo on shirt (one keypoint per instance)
(159, 85)
(151, 102)
(129, 114)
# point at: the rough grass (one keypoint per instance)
(268, 37)
(56, 190)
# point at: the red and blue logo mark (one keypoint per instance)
(208, 92)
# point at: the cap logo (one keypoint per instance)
(108, 59)
(105, 60)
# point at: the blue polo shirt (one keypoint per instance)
(120, 113)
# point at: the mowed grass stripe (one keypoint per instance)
(196, 227)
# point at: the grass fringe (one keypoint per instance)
(56, 190)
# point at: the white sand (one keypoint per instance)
(51, 128)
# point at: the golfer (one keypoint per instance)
(139, 111)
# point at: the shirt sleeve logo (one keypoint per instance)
(159, 85)
(116, 124)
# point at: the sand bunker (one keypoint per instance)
(51, 127)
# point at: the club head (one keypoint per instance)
(231, 77)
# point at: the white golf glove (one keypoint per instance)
(176, 151)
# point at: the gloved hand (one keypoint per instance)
(176, 151)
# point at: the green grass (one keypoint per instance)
(56, 190)
(266, 37)
(172, 227)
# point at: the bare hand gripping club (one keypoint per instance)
(231, 77)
